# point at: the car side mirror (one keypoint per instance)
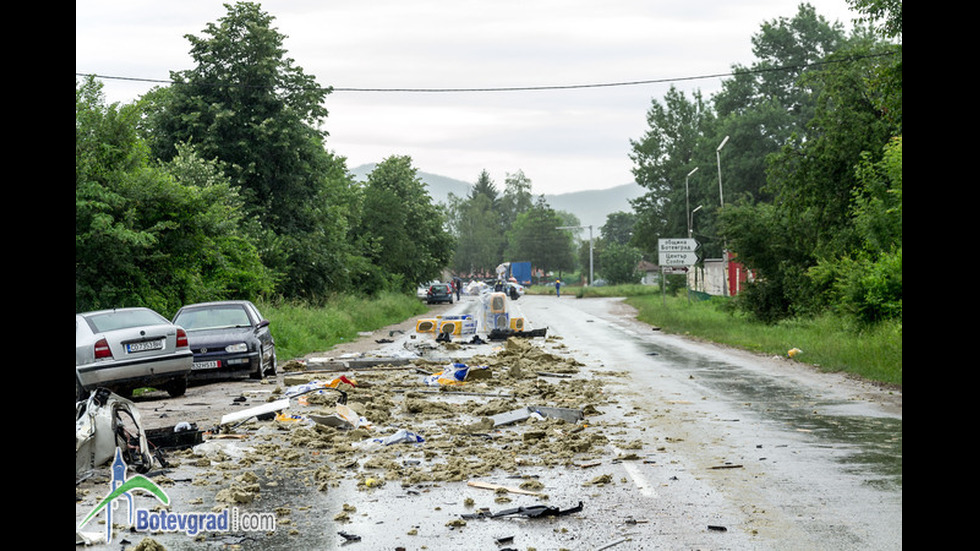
(263, 323)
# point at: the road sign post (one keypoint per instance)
(675, 254)
(686, 245)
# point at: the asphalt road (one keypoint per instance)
(727, 450)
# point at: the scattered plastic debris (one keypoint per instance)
(454, 374)
(401, 436)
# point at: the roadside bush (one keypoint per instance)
(871, 292)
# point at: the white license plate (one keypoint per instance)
(214, 364)
(144, 346)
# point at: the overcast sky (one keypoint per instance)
(564, 140)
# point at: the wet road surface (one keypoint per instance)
(706, 448)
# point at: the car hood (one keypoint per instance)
(211, 337)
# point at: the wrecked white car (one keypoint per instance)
(104, 422)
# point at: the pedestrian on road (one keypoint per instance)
(558, 287)
(457, 283)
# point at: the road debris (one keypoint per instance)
(104, 422)
(501, 488)
(349, 537)
(454, 374)
(533, 511)
(390, 428)
(256, 411)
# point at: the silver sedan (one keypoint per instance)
(128, 348)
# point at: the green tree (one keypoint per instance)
(404, 234)
(484, 186)
(517, 198)
(765, 104)
(535, 236)
(479, 237)
(867, 282)
(152, 235)
(619, 263)
(813, 181)
(663, 158)
(619, 227)
(884, 15)
(477, 226)
(246, 104)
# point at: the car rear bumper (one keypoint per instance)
(221, 365)
(134, 373)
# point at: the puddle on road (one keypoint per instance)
(865, 443)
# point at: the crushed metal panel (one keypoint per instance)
(104, 422)
(245, 414)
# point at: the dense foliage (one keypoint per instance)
(403, 234)
(491, 228)
(807, 147)
(152, 234)
(220, 186)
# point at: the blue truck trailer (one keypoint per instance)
(521, 271)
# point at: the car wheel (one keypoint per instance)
(177, 387)
(270, 371)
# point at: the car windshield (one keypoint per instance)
(124, 319)
(212, 318)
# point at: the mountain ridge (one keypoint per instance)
(591, 207)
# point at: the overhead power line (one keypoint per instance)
(540, 87)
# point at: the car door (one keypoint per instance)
(262, 331)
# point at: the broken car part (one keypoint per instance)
(534, 511)
(273, 407)
(504, 334)
(104, 422)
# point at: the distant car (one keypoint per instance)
(228, 338)
(439, 292)
(128, 348)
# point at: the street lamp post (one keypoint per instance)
(721, 198)
(690, 229)
(721, 195)
(690, 234)
(590, 244)
(687, 195)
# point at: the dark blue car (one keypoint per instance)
(439, 292)
(228, 339)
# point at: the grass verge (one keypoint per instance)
(301, 329)
(827, 342)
